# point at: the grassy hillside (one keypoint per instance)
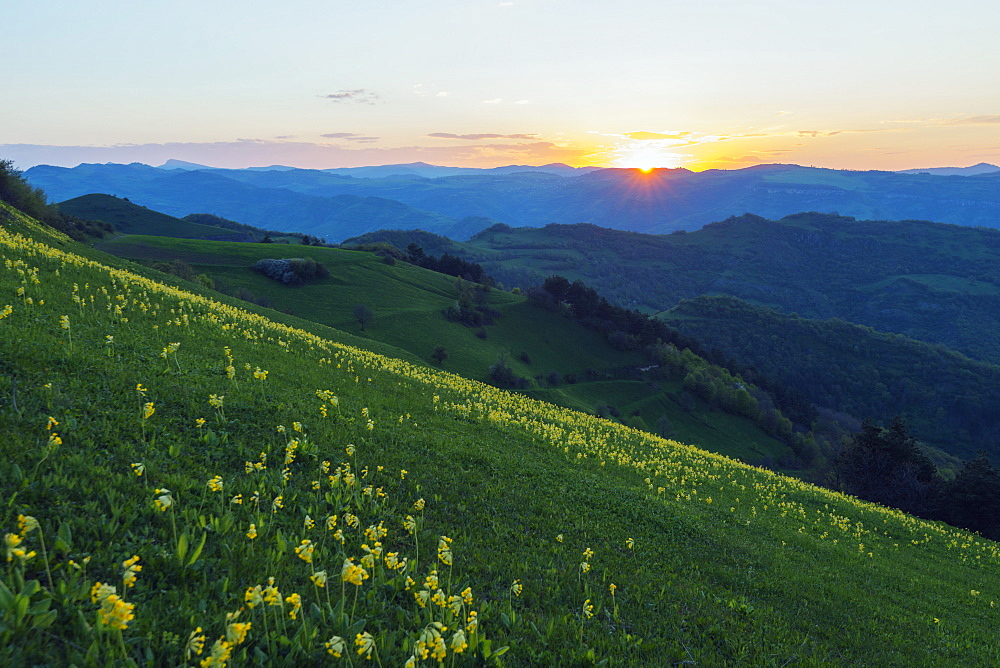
(131, 218)
(408, 303)
(942, 395)
(530, 534)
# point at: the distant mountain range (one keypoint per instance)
(421, 169)
(337, 204)
(974, 170)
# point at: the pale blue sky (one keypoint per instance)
(883, 84)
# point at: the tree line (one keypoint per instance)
(24, 197)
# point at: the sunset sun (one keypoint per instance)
(646, 156)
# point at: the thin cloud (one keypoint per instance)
(496, 100)
(477, 137)
(642, 136)
(350, 136)
(355, 95)
(988, 119)
(744, 159)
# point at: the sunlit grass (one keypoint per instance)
(191, 483)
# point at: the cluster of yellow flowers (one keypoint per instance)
(114, 612)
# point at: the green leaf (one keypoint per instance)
(197, 551)
(6, 597)
(65, 534)
(182, 547)
(45, 620)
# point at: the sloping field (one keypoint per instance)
(258, 494)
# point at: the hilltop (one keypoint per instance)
(128, 218)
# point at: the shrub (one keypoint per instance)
(294, 271)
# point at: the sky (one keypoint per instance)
(872, 84)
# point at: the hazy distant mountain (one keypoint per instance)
(627, 199)
(181, 164)
(425, 170)
(180, 192)
(974, 170)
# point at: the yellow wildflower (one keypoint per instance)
(195, 644)
(459, 642)
(365, 643)
(305, 551)
(26, 524)
(335, 646)
(353, 573)
(131, 567)
(116, 613)
(295, 603)
(444, 550)
(236, 632)
(271, 594)
(254, 596)
(221, 651)
(164, 500)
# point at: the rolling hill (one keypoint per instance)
(129, 218)
(932, 282)
(558, 360)
(944, 397)
(154, 511)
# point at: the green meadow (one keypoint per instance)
(408, 305)
(188, 481)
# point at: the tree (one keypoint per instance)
(886, 465)
(501, 373)
(17, 192)
(363, 315)
(972, 499)
(440, 354)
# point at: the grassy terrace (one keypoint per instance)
(301, 499)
